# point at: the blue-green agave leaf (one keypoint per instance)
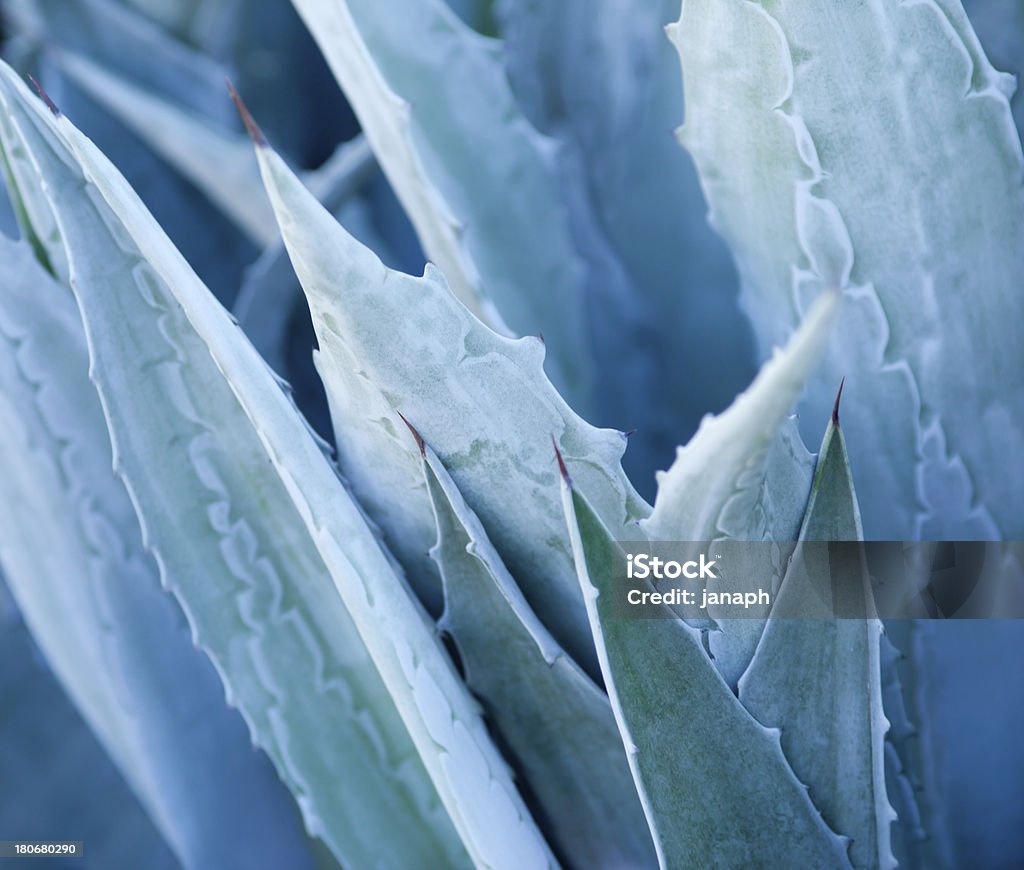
(746, 476)
(932, 340)
(217, 160)
(8, 219)
(239, 546)
(116, 37)
(713, 782)
(557, 724)
(391, 343)
(599, 77)
(276, 567)
(67, 785)
(33, 214)
(818, 679)
(271, 291)
(709, 490)
(444, 123)
(913, 846)
(72, 551)
(970, 695)
(1000, 26)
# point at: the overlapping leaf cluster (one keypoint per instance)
(414, 624)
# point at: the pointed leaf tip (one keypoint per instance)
(50, 104)
(250, 124)
(415, 434)
(561, 462)
(835, 407)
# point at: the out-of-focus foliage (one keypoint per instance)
(416, 628)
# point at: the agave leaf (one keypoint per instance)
(8, 219)
(116, 37)
(916, 742)
(271, 290)
(72, 551)
(32, 211)
(599, 77)
(217, 160)
(706, 493)
(535, 694)
(932, 338)
(452, 146)
(910, 840)
(268, 522)
(819, 679)
(48, 750)
(746, 476)
(967, 682)
(391, 342)
(702, 764)
(1000, 25)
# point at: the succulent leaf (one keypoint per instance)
(275, 527)
(599, 77)
(682, 725)
(121, 40)
(72, 551)
(921, 230)
(817, 678)
(219, 161)
(445, 143)
(534, 693)
(391, 343)
(746, 476)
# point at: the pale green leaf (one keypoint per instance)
(270, 290)
(921, 835)
(33, 213)
(746, 476)
(71, 548)
(390, 343)
(557, 724)
(916, 212)
(434, 101)
(717, 477)
(817, 677)
(599, 77)
(250, 526)
(713, 781)
(218, 161)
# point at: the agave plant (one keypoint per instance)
(363, 612)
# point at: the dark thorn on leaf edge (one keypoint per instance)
(254, 130)
(415, 434)
(50, 104)
(561, 462)
(835, 407)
